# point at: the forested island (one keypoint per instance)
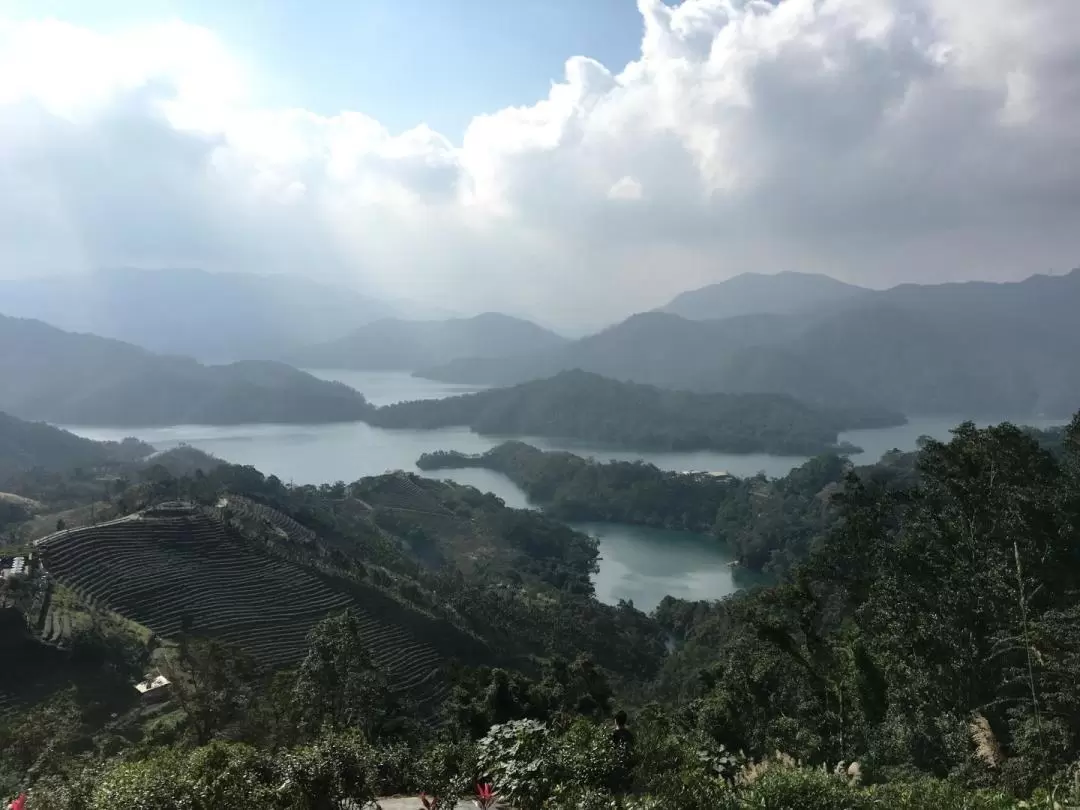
(586, 407)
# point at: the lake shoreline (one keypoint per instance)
(318, 454)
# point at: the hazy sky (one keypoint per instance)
(566, 159)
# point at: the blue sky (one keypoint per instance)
(403, 62)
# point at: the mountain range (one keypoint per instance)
(975, 349)
(760, 294)
(396, 344)
(67, 378)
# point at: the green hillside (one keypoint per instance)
(928, 634)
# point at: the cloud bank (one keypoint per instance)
(879, 141)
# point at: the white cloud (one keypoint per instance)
(625, 188)
(879, 140)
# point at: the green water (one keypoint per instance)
(642, 565)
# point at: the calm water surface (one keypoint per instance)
(638, 564)
(644, 565)
(388, 387)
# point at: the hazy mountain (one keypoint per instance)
(587, 407)
(641, 349)
(58, 376)
(758, 293)
(958, 349)
(26, 445)
(402, 344)
(211, 316)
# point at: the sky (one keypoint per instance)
(569, 161)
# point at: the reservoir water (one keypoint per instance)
(639, 564)
(643, 565)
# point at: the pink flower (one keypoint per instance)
(485, 795)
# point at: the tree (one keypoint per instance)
(338, 685)
(214, 684)
(324, 775)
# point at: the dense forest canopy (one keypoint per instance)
(929, 616)
(928, 634)
(587, 407)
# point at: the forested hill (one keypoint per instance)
(767, 524)
(587, 407)
(69, 378)
(924, 654)
(29, 445)
(395, 344)
(944, 617)
(975, 349)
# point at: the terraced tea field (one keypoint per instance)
(178, 565)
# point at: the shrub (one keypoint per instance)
(232, 776)
(782, 788)
(445, 771)
(321, 776)
(935, 794)
(521, 759)
(158, 782)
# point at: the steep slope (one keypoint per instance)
(584, 406)
(973, 349)
(25, 445)
(177, 567)
(758, 293)
(212, 316)
(70, 378)
(399, 344)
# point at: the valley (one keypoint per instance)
(546, 405)
(419, 543)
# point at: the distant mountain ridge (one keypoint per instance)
(971, 349)
(761, 294)
(211, 316)
(77, 379)
(395, 344)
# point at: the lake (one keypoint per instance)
(643, 565)
(638, 563)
